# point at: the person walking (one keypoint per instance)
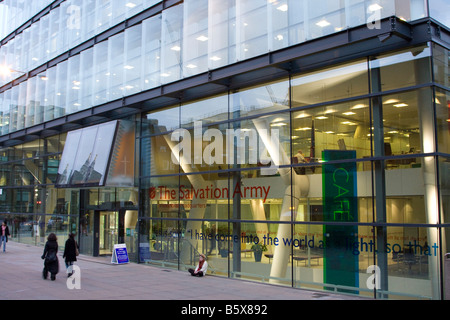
(200, 269)
(4, 235)
(51, 263)
(70, 253)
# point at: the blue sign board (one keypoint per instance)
(120, 254)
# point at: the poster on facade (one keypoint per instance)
(340, 206)
(86, 156)
(121, 166)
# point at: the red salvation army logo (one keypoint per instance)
(152, 192)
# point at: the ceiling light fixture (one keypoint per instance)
(323, 23)
(202, 38)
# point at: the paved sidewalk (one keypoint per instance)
(21, 270)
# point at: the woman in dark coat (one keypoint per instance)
(70, 253)
(51, 263)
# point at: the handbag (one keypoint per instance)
(77, 252)
(51, 257)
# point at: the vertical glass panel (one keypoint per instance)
(56, 32)
(2, 111)
(411, 10)
(444, 184)
(73, 85)
(158, 159)
(104, 15)
(195, 37)
(21, 105)
(407, 122)
(171, 46)
(343, 126)
(151, 44)
(441, 65)
(251, 28)
(118, 10)
(86, 79)
(6, 111)
(222, 33)
(133, 60)
(35, 57)
(270, 97)
(133, 7)
(41, 84)
(286, 23)
(61, 89)
(89, 23)
(326, 18)
(17, 63)
(162, 121)
(31, 101)
(101, 73)
(438, 11)
(442, 101)
(217, 111)
(13, 109)
(50, 94)
(338, 82)
(44, 39)
(116, 57)
(412, 193)
(25, 54)
(401, 69)
(158, 148)
(413, 258)
(162, 201)
(3, 77)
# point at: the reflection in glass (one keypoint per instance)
(330, 84)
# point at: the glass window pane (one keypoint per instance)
(50, 94)
(151, 44)
(441, 65)
(101, 73)
(61, 89)
(397, 70)
(407, 123)
(133, 60)
(343, 126)
(116, 57)
(172, 25)
(270, 97)
(195, 37)
(73, 85)
(438, 11)
(222, 33)
(86, 79)
(442, 101)
(251, 28)
(334, 83)
(207, 111)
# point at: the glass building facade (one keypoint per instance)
(296, 144)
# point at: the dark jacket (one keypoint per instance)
(51, 250)
(6, 232)
(69, 250)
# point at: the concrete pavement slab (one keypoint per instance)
(21, 279)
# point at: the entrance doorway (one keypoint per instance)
(102, 220)
(108, 231)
